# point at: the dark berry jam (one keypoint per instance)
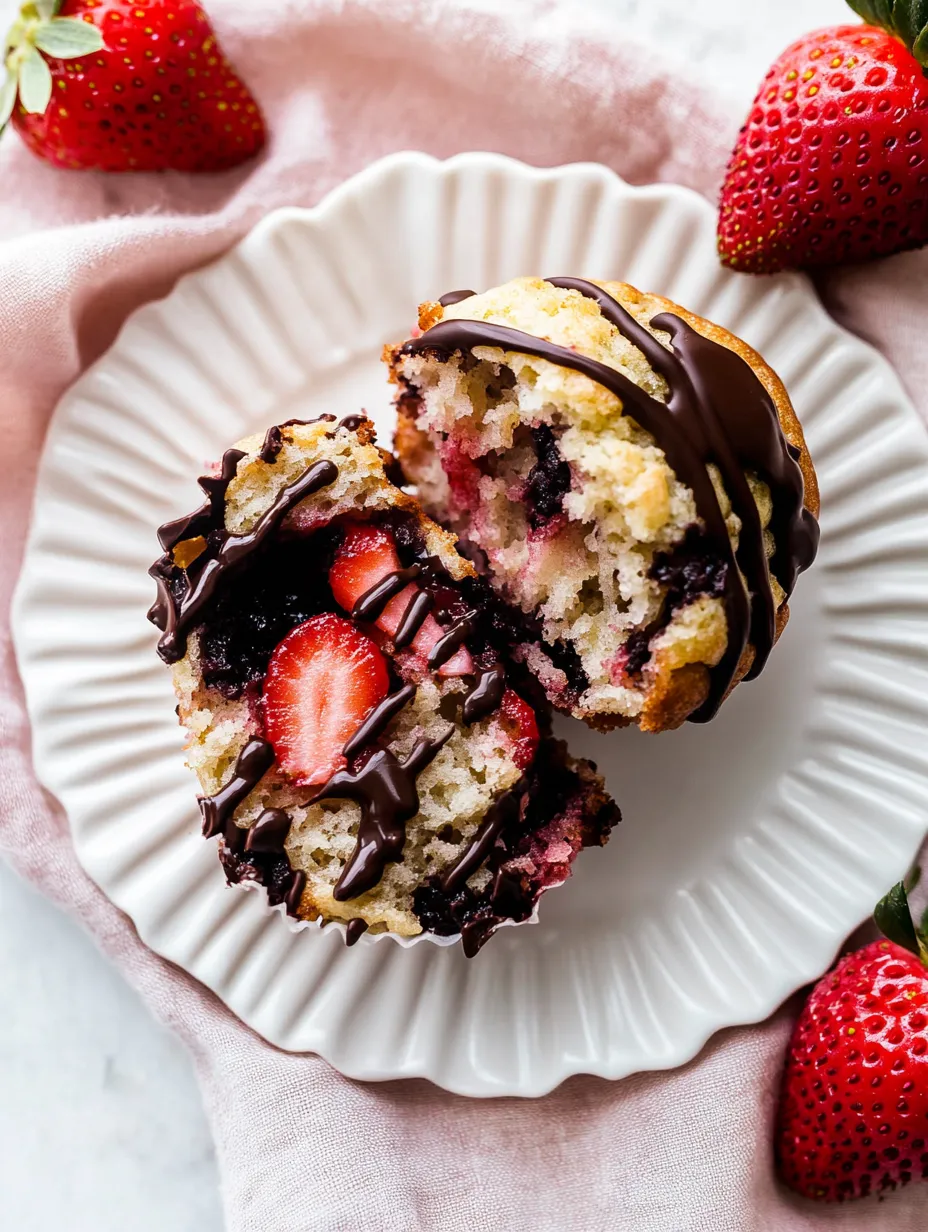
(282, 586)
(689, 571)
(548, 480)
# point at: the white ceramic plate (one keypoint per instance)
(751, 846)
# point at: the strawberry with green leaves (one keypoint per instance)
(126, 85)
(831, 165)
(853, 1116)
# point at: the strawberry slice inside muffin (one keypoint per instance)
(366, 572)
(366, 750)
(322, 682)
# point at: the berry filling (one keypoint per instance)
(322, 682)
(548, 480)
(366, 571)
(254, 611)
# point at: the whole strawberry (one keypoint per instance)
(832, 163)
(853, 1116)
(114, 85)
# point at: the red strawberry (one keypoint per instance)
(126, 85)
(519, 717)
(366, 556)
(853, 1113)
(832, 163)
(323, 681)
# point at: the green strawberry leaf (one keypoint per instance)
(7, 100)
(880, 12)
(35, 82)
(65, 38)
(894, 920)
(920, 47)
(912, 878)
(910, 17)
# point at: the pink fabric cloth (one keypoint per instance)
(342, 82)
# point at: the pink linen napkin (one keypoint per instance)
(343, 82)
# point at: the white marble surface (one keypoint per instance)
(101, 1124)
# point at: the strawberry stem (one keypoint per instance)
(906, 19)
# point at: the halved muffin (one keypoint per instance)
(629, 477)
(361, 750)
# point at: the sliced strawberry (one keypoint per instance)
(322, 682)
(366, 556)
(519, 717)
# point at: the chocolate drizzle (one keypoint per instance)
(295, 892)
(377, 721)
(499, 815)
(210, 514)
(386, 790)
(485, 695)
(255, 759)
(455, 297)
(355, 930)
(269, 832)
(447, 645)
(225, 552)
(372, 603)
(272, 444)
(718, 411)
(419, 607)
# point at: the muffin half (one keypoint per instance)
(630, 478)
(361, 750)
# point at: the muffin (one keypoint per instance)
(631, 480)
(360, 748)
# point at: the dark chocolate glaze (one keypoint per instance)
(325, 417)
(447, 645)
(210, 514)
(295, 892)
(255, 759)
(174, 615)
(371, 604)
(509, 899)
(386, 790)
(419, 607)
(352, 422)
(455, 297)
(718, 411)
(272, 444)
(498, 816)
(485, 695)
(269, 832)
(355, 930)
(376, 722)
(731, 417)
